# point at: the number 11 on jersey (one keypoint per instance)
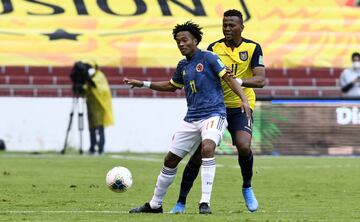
(192, 86)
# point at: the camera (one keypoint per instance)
(79, 77)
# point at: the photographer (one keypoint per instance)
(91, 83)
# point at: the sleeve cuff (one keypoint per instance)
(222, 73)
(177, 85)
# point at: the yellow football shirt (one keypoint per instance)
(241, 60)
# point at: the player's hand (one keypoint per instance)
(133, 82)
(229, 72)
(245, 107)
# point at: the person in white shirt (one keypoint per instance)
(350, 77)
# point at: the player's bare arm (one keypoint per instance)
(236, 87)
(258, 80)
(165, 86)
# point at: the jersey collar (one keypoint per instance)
(196, 55)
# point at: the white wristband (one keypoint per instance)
(240, 81)
(146, 84)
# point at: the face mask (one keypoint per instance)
(356, 65)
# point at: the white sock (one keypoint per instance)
(164, 180)
(208, 168)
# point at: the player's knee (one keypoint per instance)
(171, 160)
(243, 147)
(208, 148)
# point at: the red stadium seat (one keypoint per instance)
(48, 92)
(66, 92)
(24, 92)
(20, 80)
(62, 80)
(43, 80)
(327, 82)
(5, 92)
(302, 82)
(16, 70)
(61, 71)
(337, 72)
(111, 71)
(263, 92)
(115, 80)
(39, 70)
(297, 73)
(320, 73)
(278, 82)
(140, 92)
(121, 93)
(309, 93)
(158, 72)
(331, 92)
(132, 72)
(275, 73)
(284, 92)
(4, 79)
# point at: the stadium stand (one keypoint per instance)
(55, 82)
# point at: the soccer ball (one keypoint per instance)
(119, 179)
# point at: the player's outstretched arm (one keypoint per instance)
(158, 86)
(258, 80)
(236, 87)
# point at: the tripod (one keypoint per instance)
(77, 105)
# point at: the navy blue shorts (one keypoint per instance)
(237, 121)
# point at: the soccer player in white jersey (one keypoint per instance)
(200, 74)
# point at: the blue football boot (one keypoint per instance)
(179, 208)
(250, 199)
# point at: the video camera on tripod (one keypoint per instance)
(80, 76)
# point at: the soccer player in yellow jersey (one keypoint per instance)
(245, 58)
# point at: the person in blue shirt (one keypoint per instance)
(205, 121)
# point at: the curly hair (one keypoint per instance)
(354, 55)
(234, 12)
(191, 27)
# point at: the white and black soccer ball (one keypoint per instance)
(119, 179)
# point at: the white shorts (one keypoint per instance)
(188, 138)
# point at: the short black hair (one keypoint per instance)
(234, 12)
(355, 54)
(191, 27)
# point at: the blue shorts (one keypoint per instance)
(237, 121)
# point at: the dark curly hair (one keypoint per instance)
(355, 54)
(191, 27)
(234, 12)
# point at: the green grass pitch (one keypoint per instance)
(52, 187)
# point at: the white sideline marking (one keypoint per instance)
(160, 160)
(127, 212)
(62, 211)
(149, 159)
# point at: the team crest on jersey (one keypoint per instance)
(199, 67)
(243, 55)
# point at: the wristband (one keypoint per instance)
(240, 81)
(146, 84)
